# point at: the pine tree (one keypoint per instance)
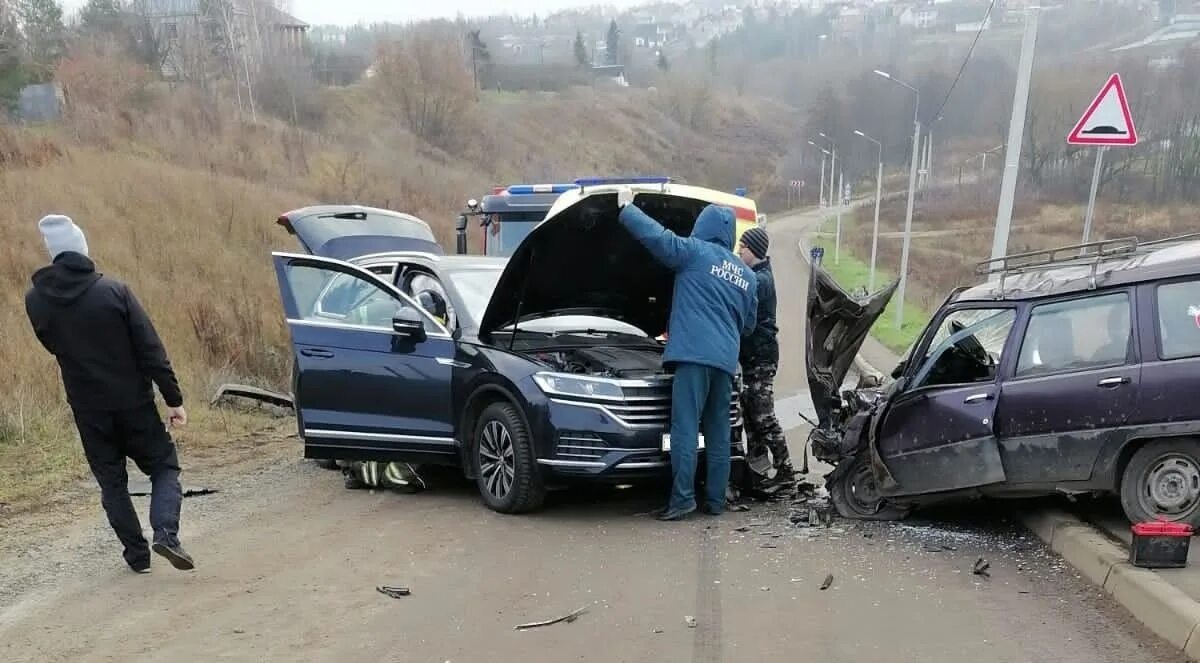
(581, 52)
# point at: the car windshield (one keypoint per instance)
(507, 230)
(475, 287)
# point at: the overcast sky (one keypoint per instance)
(352, 11)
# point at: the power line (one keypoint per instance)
(978, 33)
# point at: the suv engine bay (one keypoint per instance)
(605, 361)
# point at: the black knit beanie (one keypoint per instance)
(756, 240)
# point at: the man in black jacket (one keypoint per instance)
(759, 357)
(110, 356)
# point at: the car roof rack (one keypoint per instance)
(1087, 254)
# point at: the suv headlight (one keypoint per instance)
(578, 386)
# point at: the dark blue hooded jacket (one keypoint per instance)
(716, 300)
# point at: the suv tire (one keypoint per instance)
(854, 495)
(506, 469)
(1162, 480)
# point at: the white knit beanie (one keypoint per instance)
(61, 235)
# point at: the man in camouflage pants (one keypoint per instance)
(759, 357)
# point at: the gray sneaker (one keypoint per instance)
(176, 555)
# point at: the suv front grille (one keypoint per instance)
(650, 406)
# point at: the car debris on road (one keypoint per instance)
(567, 618)
(394, 592)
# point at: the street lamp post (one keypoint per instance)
(878, 199)
(821, 189)
(912, 185)
(832, 168)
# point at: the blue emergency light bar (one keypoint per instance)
(527, 189)
(600, 181)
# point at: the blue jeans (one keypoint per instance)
(700, 398)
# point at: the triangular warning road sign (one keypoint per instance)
(1107, 120)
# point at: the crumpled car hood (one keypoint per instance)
(838, 323)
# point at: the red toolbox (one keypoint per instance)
(1160, 545)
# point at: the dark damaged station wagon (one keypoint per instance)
(1073, 370)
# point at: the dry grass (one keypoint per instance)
(178, 195)
(193, 246)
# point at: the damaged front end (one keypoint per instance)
(838, 324)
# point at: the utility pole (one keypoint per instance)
(1016, 133)
(912, 186)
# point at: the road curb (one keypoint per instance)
(1163, 608)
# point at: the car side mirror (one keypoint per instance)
(408, 323)
(899, 370)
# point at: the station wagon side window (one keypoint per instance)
(1179, 319)
(349, 299)
(966, 348)
(1076, 335)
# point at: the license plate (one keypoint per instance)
(666, 442)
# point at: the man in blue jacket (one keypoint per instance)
(714, 306)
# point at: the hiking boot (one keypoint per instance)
(176, 555)
(785, 477)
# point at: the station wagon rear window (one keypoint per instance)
(1179, 319)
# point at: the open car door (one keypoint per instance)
(937, 433)
(373, 370)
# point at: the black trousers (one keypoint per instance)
(109, 437)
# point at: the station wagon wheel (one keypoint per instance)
(1162, 481)
(855, 494)
(506, 469)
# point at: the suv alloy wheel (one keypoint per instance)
(506, 469)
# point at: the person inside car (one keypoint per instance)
(1116, 348)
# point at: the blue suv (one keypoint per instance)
(524, 372)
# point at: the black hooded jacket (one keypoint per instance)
(763, 345)
(107, 348)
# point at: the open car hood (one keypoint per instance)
(838, 323)
(343, 232)
(582, 261)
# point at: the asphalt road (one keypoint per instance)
(288, 563)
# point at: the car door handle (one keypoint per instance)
(1108, 383)
(977, 398)
(317, 353)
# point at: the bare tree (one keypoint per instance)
(423, 78)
